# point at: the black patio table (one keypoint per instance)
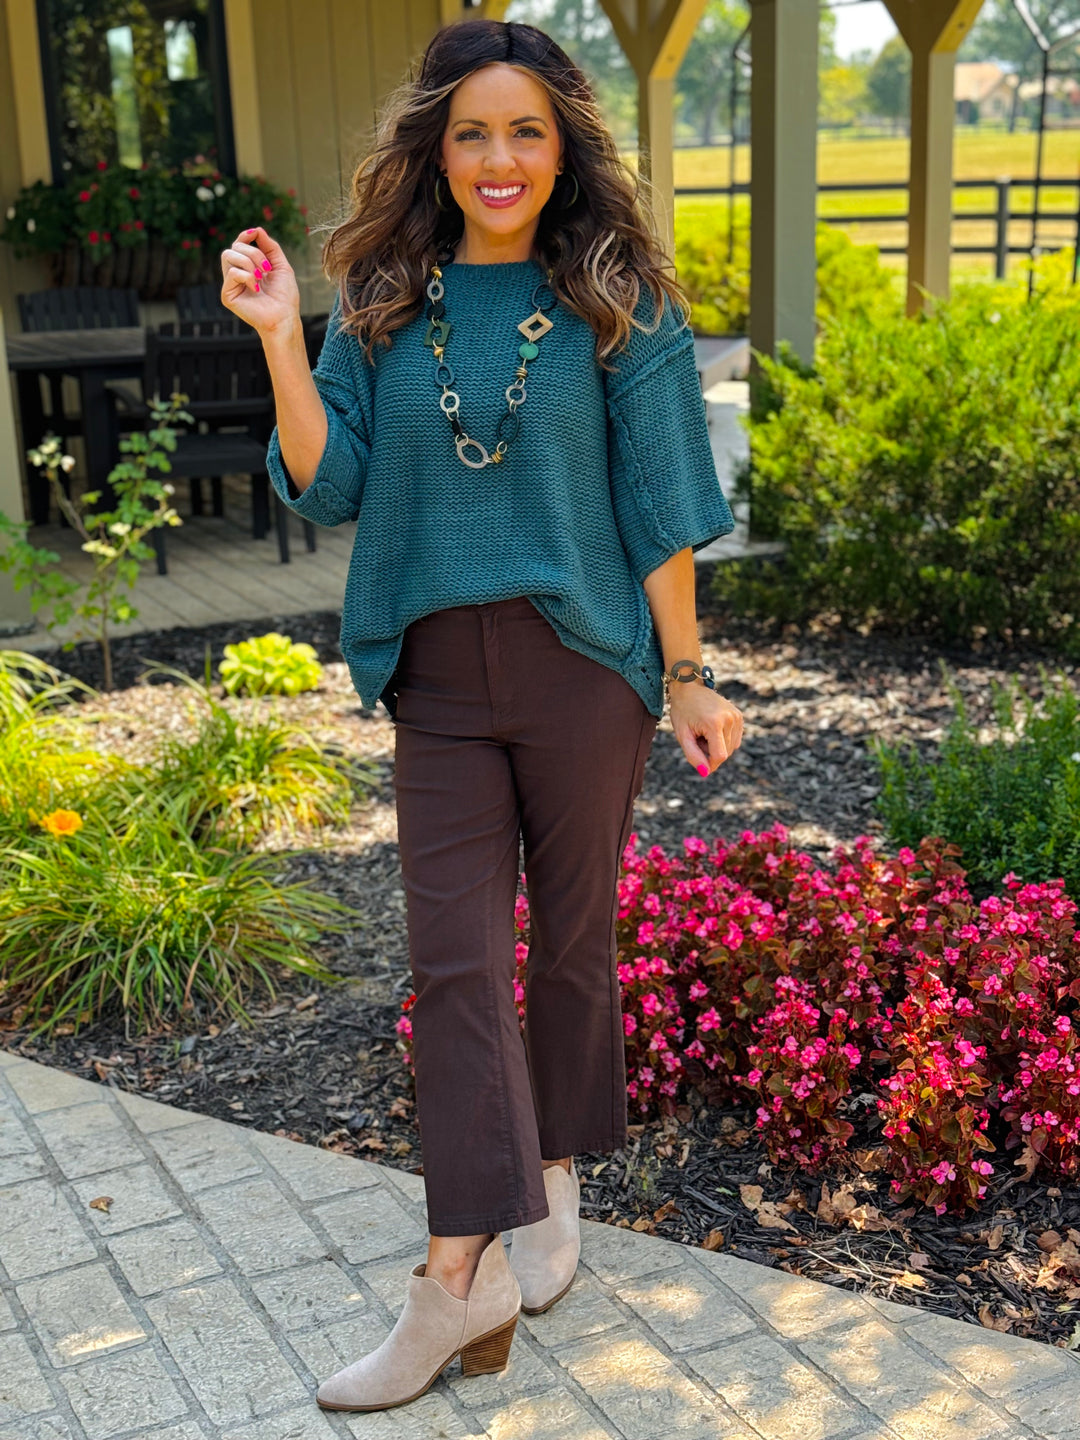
(92, 357)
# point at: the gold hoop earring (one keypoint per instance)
(438, 203)
(566, 204)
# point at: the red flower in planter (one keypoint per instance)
(84, 196)
(185, 244)
(106, 236)
(93, 237)
(138, 224)
(102, 164)
(134, 193)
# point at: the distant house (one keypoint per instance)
(1062, 98)
(982, 91)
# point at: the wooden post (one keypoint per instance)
(15, 616)
(655, 48)
(783, 174)
(932, 30)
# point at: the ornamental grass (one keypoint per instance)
(136, 886)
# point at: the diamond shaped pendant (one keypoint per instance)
(536, 325)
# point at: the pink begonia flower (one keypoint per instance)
(629, 1024)
(709, 1020)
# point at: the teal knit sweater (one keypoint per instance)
(609, 476)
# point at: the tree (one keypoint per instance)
(842, 94)
(888, 84)
(1000, 34)
(704, 80)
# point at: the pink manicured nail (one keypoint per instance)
(249, 232)
(703, 769)
(267, 265)
(256, 285)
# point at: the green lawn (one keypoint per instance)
(978, 155)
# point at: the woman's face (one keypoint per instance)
(500, 135)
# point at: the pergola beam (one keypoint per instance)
(932, 30)
(654, 35)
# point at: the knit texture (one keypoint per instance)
(610, 475)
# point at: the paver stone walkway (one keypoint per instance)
(234, 1270)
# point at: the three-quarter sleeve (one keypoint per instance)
(665, 491)
(344, 378)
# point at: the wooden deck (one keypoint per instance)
(218, 572)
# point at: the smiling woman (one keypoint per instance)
(515, 591)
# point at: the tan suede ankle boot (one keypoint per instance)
(431, 1330)
(544, 1255)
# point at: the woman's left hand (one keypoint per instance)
(700, 714)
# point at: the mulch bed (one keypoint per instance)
(323, 1065)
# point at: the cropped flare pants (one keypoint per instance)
(503, 732)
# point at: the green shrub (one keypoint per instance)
(269, 664)
(850, 277)
(1010, 802)
(924, 474)
(244, 776)
(149, 920)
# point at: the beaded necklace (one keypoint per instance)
(438, 332)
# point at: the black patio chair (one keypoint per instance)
(200, 302)
(71, 307)
(226, 380)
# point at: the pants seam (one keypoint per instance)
(617, 1106)
(508, 1129)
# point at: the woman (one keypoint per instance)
(521, 577)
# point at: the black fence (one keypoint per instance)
(1002, 215)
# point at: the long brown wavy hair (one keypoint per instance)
(601, 249)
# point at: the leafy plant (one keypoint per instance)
(924, 473)
(149, 919)
(244, 776)
(269, 664)
(190, 207)
(1010, 802)
(850, 277)
(46, 759)
(113, 537)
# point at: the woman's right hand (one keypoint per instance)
(258, 282)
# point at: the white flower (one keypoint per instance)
(169, 489)
(99, 547)
(67, 462)
(119, 527)
(995, 317)
(11, 212)
(1075, 756)
(219, 188)
(31, 225)
(202, 193)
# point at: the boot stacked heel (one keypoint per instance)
(488, 1354)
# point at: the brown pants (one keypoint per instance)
(502, 729)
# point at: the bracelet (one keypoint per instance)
(696, 672)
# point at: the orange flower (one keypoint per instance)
(61, 822)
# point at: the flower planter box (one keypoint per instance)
(154, 271)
